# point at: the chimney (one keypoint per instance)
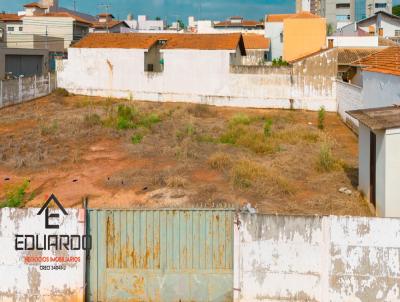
(380, 32)
(330, 43)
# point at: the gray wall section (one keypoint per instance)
(283, 258)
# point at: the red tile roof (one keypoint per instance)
(173, 41)
(281, 17)
(385, 61)
(243, 23)
(254, 41)
(109, 24)
(277, 17)
(35, 4)
(10, 18)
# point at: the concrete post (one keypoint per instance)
(49, 75)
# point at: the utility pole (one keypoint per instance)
(74, 5)
(106, 7)
(47, 44)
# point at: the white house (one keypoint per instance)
(106, 23)
(381, 24)
(143, 24)
(198, 68)
(379, 160)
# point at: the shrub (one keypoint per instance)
(321, 118)
(247, 174)
(15, 196)
(49, 129)
(136, 139)
(240, 119)
(61, 92)
(279, 62)
(92, 119)
(268, 128)
(189, 130)
(149, 120)
(326, 161)
(219, 161)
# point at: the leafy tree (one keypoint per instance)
(396, 10)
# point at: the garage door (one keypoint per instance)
(26, 65)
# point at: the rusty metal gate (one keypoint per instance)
(160, 255)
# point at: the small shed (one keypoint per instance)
(379, 158)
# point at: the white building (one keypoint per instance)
(106, 23)
(381, 24)
(234, 24)
(379, 160)
(142, 24)
(274, 31)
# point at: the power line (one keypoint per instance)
(106, 6)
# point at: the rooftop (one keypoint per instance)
(173, 41)
(254, 41)
(109, 24)
(385, 61)
(63, 14)
(238, 21)
(9, 17)
(348, 55)
(282, 17)
(35, 4)
(378, 118)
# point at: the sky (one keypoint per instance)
(174, 9)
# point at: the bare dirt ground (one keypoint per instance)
(177, 155)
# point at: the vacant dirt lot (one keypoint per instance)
(127, 154)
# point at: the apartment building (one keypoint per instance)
(342, 12)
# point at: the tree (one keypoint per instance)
(329, 29)
(158, 18)
(396, 10)
(181, 24)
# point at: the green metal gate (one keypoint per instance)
(161, 255)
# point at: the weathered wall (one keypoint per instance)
(380, 89)
(283, 258)
(196, 76)
(348, 98)
(20, 281)
(25, 89)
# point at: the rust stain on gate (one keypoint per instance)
(161, 255)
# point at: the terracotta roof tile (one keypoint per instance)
(109, 24)
(349, 55)
(304, 15)
(10, 17)
(173, 41)
(254, 41)
(243, 23)
(277, 17)
(385, 61)
(35, 4)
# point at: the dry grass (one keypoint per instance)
(274, 159)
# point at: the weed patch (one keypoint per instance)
(326, 161)
(136, 139)
(16, 196)
(219, 161)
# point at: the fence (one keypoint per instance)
(284, 258)
(204, 255)
(23, 89)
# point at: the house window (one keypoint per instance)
(342, 17)
(343, 5)
(150, 67)
(20, 28)
(397, 32)
(380, 5)
(11, 28)
(281, 36)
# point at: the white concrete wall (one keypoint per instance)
(20, 281)
(381, 152)
(285, 258)
(345, 41)
(348, 98)
(16, 91)
(380, 90)
(392, 173)
(190, 75)
(273, 31)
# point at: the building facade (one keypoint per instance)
(342, 12)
